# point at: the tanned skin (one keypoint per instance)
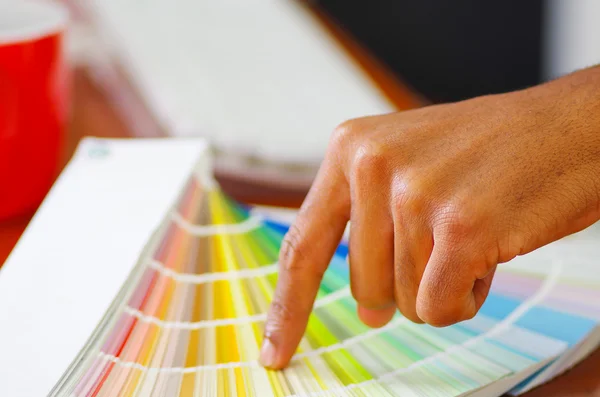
(437, 198)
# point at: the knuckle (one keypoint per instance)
(459, 220)
(345, 132)
(410, 196)
(280, 314)
(293, 250)
(294, 257)
(370, 161)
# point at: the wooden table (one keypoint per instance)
(94, 116)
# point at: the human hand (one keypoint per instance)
(437, 198)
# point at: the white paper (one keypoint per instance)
(78, 251)
(256, 77)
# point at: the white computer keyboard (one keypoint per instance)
(260, 77)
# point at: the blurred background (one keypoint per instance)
(266, 81)
(449, 51)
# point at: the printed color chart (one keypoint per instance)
(189, 322)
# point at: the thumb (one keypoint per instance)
(451, 290)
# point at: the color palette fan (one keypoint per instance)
(189, 321)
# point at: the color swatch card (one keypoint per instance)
(187, 318)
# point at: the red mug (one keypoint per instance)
(34, 86)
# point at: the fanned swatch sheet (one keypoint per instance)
(189, 322)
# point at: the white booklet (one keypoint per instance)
(79, 249)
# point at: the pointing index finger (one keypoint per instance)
(305, 254)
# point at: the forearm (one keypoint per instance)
(570, 117)
(574, 93)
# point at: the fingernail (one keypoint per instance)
(267, 353)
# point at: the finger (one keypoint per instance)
(413, 245)
(446, 295)
(371, 240)
(305, 254)
(481, 288)
(376, 317)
